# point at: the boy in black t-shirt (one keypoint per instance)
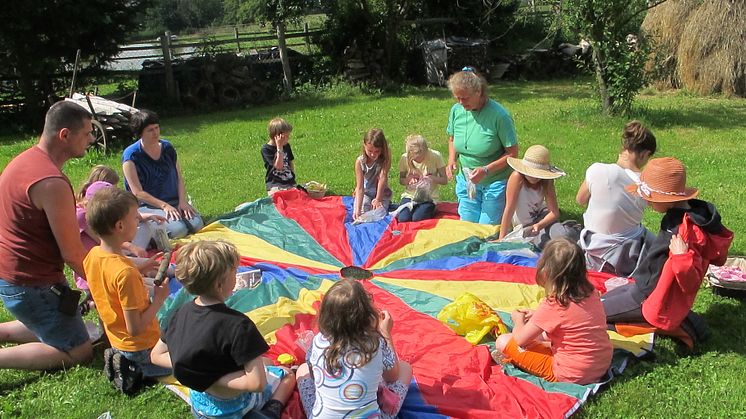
(278, 157)
(215, 350)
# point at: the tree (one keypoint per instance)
(618, 61)
(39, 39)
(177, 15)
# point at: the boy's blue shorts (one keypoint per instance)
(206, 406)
(38, 309)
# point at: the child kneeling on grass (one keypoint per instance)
(215, 350)
(118, 290)
(578, 349)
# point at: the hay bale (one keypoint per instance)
(664, 25)
(712, 52)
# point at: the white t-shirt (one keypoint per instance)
(611, 210)
(530, 207)
(353, 391)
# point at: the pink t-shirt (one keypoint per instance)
(88, 241)
(581, 347)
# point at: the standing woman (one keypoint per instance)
(481, 134)
(152, 174)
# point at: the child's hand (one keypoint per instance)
(520, 316)
(153, 217)
(356, 214)
(137, 251)
(678, 246)
(375, 203)
(160, 292)
(150, 264)
(385, 324)
(280, 140)
(412, 179)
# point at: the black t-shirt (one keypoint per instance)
(278, 178)
(208, 342)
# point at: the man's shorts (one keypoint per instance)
(37, 309)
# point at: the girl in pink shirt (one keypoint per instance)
(565, 338)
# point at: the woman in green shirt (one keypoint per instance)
(481, 137)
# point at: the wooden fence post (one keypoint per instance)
(238, 43)
(308, 38)
(288, 77)
(169, 71)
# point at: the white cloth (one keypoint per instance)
(611, 210)
(530, 207)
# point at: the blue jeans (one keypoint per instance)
(420, 211)
(176, 228)
(488, 203)
(38, 309)
(142, 359)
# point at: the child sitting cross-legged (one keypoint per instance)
(217, 351)
(118, 290)
(577, 347)
(352, 370)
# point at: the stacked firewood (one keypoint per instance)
(113, 115)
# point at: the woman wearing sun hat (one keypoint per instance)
(530, 198)
(481, 136)
(691, 238)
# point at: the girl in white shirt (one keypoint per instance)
(530, 198)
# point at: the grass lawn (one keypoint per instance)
(219, 154)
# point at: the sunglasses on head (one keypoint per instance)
(469, 69)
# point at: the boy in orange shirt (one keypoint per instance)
(120, 295)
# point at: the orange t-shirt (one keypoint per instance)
(581, 347)
(116, 285)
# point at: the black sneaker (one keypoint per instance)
(109, 364)
(127, 375)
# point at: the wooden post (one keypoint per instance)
(308, 38)
(288, 77)
(238, 43)
(75, 73)
(169, 72)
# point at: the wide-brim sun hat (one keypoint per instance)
(535, 163)
(663, 180)
(95, 187)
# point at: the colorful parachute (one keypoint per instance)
(300, 244)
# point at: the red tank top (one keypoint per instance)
(29, 254)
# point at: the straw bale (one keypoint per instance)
(664, 25)
(712, 51)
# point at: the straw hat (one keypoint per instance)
(663, 180)
(535, 163)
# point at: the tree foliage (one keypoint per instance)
(266, 11)
(178, 15)
(388, 25)
(39, 38)
(617, 61)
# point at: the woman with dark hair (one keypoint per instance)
(152, 174)
(481, 136)
(614, 240)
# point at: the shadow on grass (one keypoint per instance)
(714, 116)
(517, 91)
(18, 382)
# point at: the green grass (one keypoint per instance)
(219, 153)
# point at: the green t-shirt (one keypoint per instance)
(481, 137)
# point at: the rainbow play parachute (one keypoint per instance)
(300, 244)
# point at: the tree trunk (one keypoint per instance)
(603, 88)
(288, 76)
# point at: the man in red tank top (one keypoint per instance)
(38, 236)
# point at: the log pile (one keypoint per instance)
(113, 115)
(363, 64)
